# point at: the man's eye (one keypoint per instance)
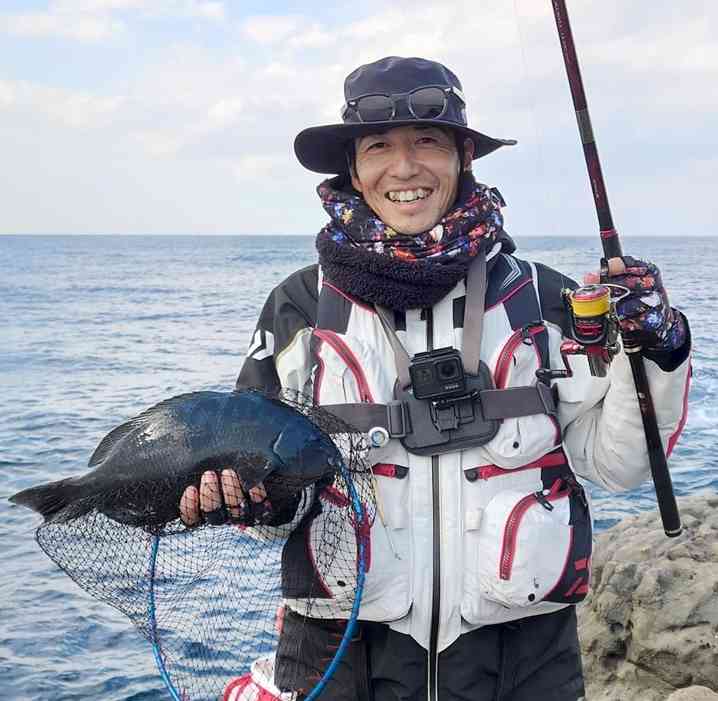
(376, 146)
(427, 140)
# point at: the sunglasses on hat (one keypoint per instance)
(429, 102)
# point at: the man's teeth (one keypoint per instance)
(408, 195)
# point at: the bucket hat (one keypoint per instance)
(388, 93)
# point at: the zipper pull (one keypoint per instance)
(526, 336)
(541, 499)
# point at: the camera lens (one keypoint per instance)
(448, 370)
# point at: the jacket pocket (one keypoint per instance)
(515, 365)
(536, 547)
(387, 590)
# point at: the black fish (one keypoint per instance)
(142, 467)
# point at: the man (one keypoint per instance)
(474, 577)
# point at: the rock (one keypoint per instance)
(693, 693)
(650, 625)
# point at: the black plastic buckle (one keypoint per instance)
(397, 419)
(549, 398)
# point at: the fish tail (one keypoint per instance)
(49, 499)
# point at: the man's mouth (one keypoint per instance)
(419, 193)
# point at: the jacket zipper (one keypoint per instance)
(508, 548)
(503, 363)
(345, 353)
(501, 372)
(433, 656)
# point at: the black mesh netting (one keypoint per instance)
(212, 598)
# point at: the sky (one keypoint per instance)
(178, 116)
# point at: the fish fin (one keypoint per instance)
(110, 440)
(49, 499)
(253, 472)
(118, 433)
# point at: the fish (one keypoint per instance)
(141, 468)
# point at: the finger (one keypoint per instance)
(591, 279)
(210, 498)
(189, 506)
(233, 494)
(616, 266)
(258, 493)
(279, 619)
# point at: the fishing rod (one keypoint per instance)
(612, 249)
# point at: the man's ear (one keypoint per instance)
(468, 154)
(355, 180)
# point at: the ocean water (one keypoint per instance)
(95, 329)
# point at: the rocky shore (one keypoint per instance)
(649, 629)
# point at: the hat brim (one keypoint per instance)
(323, 149)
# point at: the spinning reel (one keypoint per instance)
(594, 329)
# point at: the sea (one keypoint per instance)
(94, 329)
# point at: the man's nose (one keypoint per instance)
(404, 164)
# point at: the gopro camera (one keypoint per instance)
(438, 374)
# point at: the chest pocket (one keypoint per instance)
(515, 365)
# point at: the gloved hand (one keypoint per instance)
(645, 314)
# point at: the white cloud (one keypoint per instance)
(208, 9)
(313, 37)
(95, 20)
(61, 24)
(197, 119)
(69, 108)
(270, 29)
(258, 167)
(226, 111)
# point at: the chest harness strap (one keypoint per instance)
(432, 427)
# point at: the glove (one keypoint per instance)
(644, 314)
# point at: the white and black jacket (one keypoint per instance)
(462, 542)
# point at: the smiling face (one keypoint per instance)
(409, 175)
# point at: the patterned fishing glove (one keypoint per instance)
(645, 314)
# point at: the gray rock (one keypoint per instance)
(650, 624)
(694, 693)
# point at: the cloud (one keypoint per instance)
(202, 117)
(208, 9)
(59, 24)
(73, 109)
(270, 29)
(96, 21)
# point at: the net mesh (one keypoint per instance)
(212, 599)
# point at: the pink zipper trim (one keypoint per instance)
(341, 293)
(677, 434)
(310, 552)
(384, 469)
(501, 371)
(551, 460)
(510, 294)
(345, 353)
(334, 496)
(508, 546)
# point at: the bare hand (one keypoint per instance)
(195, 503)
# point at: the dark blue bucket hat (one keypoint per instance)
(388, 93)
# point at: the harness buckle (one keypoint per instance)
(547, 395)
(397, 419)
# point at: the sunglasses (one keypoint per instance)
(429, 102)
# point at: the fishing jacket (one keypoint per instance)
(491, 533)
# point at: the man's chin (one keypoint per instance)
(410, 229)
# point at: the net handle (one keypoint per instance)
(360, 515)
(156, 652)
